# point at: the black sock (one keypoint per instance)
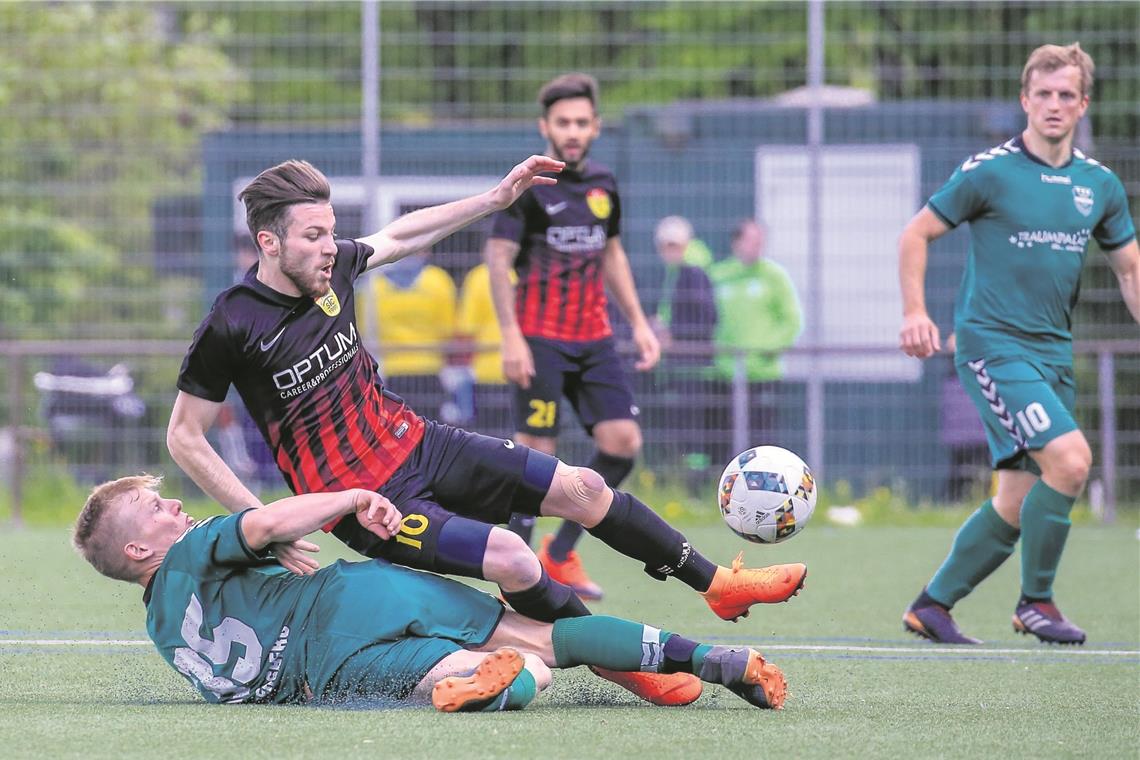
(637, 531)
(547, 601)
(678, 653)
(564, 540)
(925, 600)
(1032, 600)
(522, 525)
(613, 470)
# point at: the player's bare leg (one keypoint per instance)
(525, 584)
(503, 679)
(556, 551)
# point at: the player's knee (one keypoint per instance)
(580, 494)
(510, 562)
(538, 669)
(619, 440)
(1072, 469)
(630, 444)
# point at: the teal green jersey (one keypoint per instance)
(1030, 226)
(241, 628)
(227, 617)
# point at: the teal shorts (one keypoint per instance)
(377, 629)
(1023, 404)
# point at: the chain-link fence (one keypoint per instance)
(126, 129)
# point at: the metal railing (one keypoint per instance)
(871, 432)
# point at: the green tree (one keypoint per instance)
(102, 106)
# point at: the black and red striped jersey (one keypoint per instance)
(310, 386)
(562, 231)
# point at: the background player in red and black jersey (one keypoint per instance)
(564, 242)
(286, 338)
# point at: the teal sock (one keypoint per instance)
(1044, 527)
(518, 695)
(521, 692)
(982, 543)
(699, 656)
(607, 642)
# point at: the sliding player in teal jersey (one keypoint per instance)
(1032, 204)
(241, 628)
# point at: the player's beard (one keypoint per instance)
(571, 165)
(306, 280)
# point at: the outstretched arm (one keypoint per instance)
(190, 420)
(296, 516)
(919, 335)
(423, 228)
(619, 279)
(1126, 264)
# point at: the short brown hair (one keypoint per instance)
(1049, 58)
(572, 85)
(97, 535)
(269, 196)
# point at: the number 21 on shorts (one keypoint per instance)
(543, 415)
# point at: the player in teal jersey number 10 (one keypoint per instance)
(1032, 205)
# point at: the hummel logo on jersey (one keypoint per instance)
(554, 208)
(266, 346)
(1056, 179)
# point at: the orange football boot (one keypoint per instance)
(745, 673)
(734, 590)
(665, 689)
(473, 692)
(569, 571)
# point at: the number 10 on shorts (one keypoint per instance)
(1033, 419)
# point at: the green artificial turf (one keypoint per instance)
(858, 687)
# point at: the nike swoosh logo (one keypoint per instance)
(554, 208)
(266, 346)
(509, 444)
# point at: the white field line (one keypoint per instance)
(75, 643)
(964, 651)
(959, 650)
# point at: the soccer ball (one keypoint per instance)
(766, 495)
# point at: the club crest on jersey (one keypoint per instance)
(329, 303)
(599, 202)
(1083, 199)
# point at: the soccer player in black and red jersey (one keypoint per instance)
(286, 338)
(564, 243)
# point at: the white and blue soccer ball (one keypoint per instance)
(766, 495)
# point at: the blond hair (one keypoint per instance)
(1049, 58)
(99, 535)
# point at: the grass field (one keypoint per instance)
(858, 686)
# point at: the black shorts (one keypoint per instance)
(591, 377)
(453, 472)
